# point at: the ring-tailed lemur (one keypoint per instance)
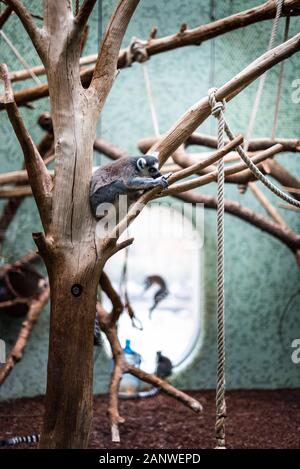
(128, 176)
(17, 440)
(35, 438)
(160, 294)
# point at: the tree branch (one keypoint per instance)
(108, 149)
(265, 11)
(57, 15)
(117, 305)
(113, 406)
(16, 301)
(195, 36)
(106, 65)
(166, 387)
(188, 123)
(4, 16)
(110, 330)
(20, 75)
(36, 34)
(40, 180)
(121, 366)
(16, 354)
(138, 206)
(267, 205)
(19, 192)
(286, 236)
(213, 175)
(284, 177)
(288, 144)
(198, 167)
(211, 30)
(83, 15)
(11, 207)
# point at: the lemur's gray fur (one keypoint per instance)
(128, 176)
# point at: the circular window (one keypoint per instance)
(163, 284)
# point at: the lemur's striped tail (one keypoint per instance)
(151, 393)
(16, 440)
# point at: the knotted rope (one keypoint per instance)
(217, 108)
(136, 51)
(259, 175)
(256, 171)
(279, 4)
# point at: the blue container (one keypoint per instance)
(129, 385)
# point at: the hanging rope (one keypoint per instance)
(150, 100)
(255, 170)
(137, 51)
(20, 58)
(279, 4)
(212, 52)
(259, 175)
(280, 82)
(217, 108)
(217, 111)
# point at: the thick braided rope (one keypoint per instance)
(259, 175)
(217, 111)
(136, 51)
(279, 5)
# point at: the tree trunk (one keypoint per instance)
(68, 405)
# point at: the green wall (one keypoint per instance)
(261, 273)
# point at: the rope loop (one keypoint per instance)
(223, 126)
(136, 51)
(216, 106)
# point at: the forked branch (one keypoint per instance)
(213, 175)
(106, 65)
(166, 387)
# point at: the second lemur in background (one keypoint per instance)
(160, 294)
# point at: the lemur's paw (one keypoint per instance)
(163, 182)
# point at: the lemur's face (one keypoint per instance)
(148, 166)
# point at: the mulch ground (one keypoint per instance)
(256, 419)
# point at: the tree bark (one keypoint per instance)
(73, 285)
(73, 255)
